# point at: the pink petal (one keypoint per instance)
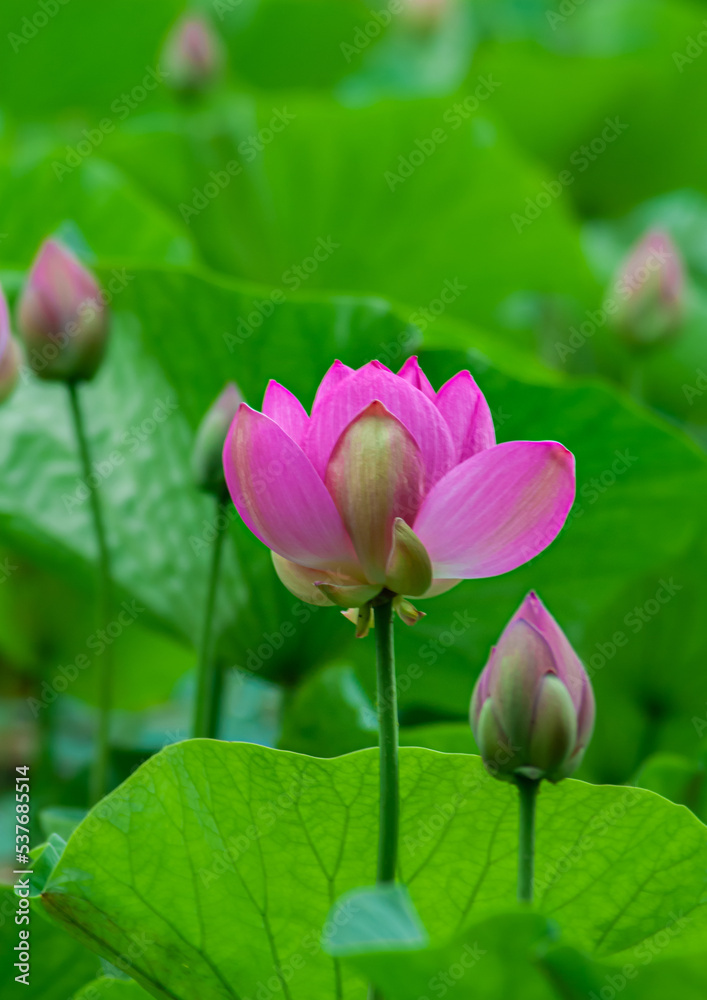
(498, 509)
(464, 407)
(280, 496)
(375, 475)
(569, 666)
(413, 374)
(418, 415)
(336, 374)
(286, 410)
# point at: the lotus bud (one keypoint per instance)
(651, 286)
(62, 316)
(193, 55)
(9, 353)
(532, 711)
(207, 464)
(425, 15)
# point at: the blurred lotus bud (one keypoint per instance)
(425, 14)
(193, 54)
(532, 711)
(62, 316)
(9, 353)
(651, 286)
(207, 460)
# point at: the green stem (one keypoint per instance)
(98, 782)
(388, 739)
(208, 686)
(527, 794)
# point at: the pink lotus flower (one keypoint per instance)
(389, 486)
(193, 54)
(532, 710)
(651, 282)
(9, 353)
(62, 316)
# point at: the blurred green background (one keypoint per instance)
(423, 150)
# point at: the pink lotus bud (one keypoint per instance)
(532, 711)
(425, 14)
(62, 316)
(651, 287)
(391, 488)
(9, 353)
(193, 54)
(207, 466)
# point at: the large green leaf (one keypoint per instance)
(228, 857)
(141, 446)
(609, 59)
(94, 203)
(107, 988)
(59, 964)
(435, 197)
(54, 49)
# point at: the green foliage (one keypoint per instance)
(359, 184)
(63, 965)
(232, 855)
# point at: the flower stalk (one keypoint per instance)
(527, 796)
(98, 781)
(208, 677)
(388, 739)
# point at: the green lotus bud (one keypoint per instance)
(532, 711)
(207, 460)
